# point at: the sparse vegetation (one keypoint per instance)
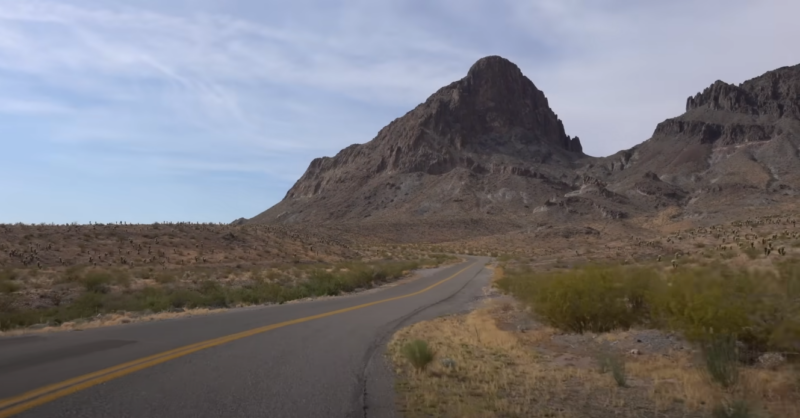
(758, 307)
(109, 291)
(418, 353)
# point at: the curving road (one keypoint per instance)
(311, 359)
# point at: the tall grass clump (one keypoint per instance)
(735, 409)
(418, 353)
(614, 363)
(721, 358)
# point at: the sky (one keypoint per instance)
(209, 110)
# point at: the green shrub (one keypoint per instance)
(736, 409)
(97, 282)
(121, 277)
(759, 308)
(88, 304)
(214, 294)
(164, 278)
(73, 273)
(721, 358)
(418, 353)
(594, 298)
(7, 286)
(752, 253)
(614, 363)
(9, 274)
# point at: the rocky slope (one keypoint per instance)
(734, 146)
(487, 153)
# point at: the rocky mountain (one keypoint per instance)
(486, 152)
(485, 145)
(734, 146)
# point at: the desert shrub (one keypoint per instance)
(97, 282)
(418, 353)
(735, 409)
(185, 298)
(752, 253)
(164, 278)
(594, 298)
(759, 308)
(88, 304)
(121, 277)
(612, 362)
(721, 359)
(7, 286)
(73, 273)
(437, 259)
(9, 274)
(214, 294)
(347, 277)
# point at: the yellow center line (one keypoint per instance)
(52, 392)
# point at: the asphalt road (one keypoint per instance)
(323, 363)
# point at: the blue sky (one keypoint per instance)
(209, 110)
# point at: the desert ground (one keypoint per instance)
(689, 321)
(650, 318)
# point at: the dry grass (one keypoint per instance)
(495, 375)
(502, 373)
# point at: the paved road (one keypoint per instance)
(326, 362)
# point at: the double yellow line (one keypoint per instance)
(36, 397)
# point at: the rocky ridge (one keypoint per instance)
(489, 147)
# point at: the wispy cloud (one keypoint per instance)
(254, 89)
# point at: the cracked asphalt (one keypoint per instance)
(327, 366)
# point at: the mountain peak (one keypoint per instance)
(494, 100)
(491, 128)
(494, 66)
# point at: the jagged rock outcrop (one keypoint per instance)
(773, 94)
(742, 140)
